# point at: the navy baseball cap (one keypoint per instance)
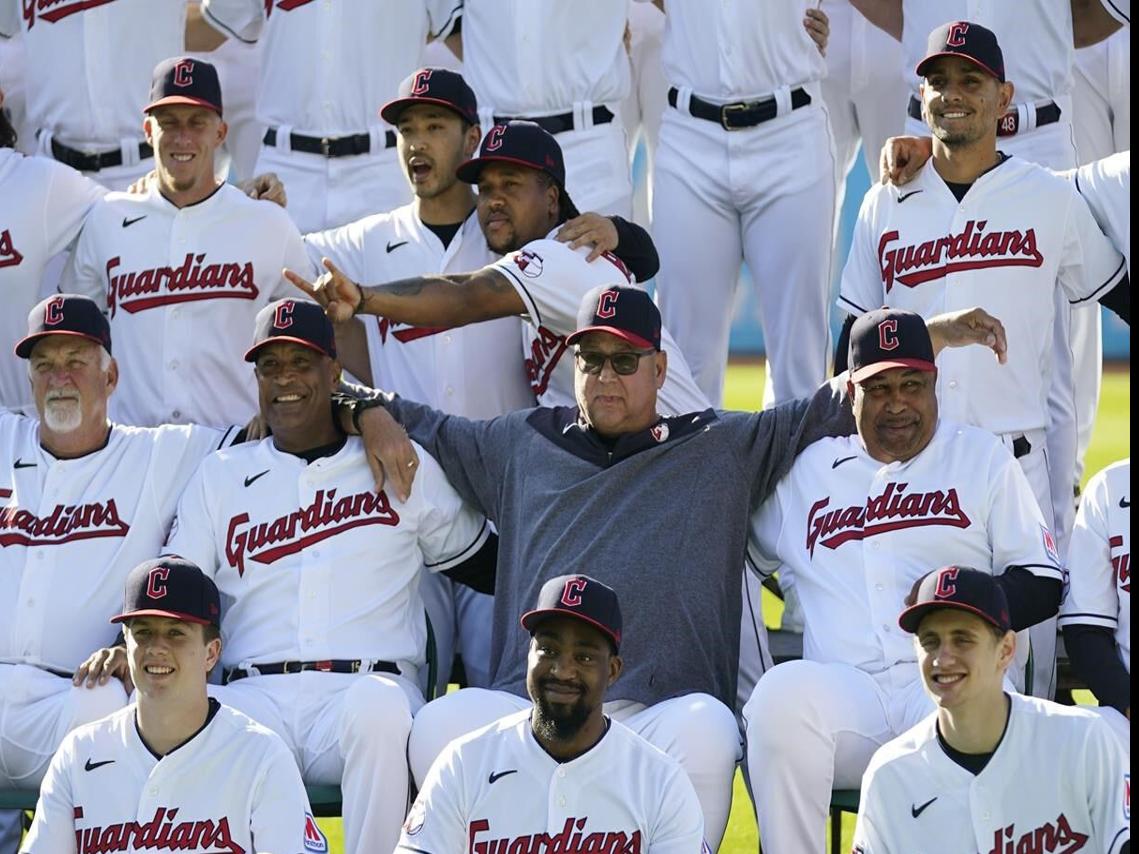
(959, 587)
(296, 321)
(888, 338)
(521, 143)
(65, 314)
(582, 598)
(439, 86)
(969, 41)
(170, 587)
(183, 80)
(620, 310)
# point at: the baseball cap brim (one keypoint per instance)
(624, 335)
(469, 170)
(175, 100)
(251, 353)
(157, 612)
(392, 110)
(24, 345)
(911, 618)
(924, 64)
(877, 368)
(531, 619)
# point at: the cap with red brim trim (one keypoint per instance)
(961, 588)
(582, 598)
(65, 314)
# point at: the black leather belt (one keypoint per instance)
(331, 666)
(559, 123)
(330, 146)
(1021, 447)
(1008, 124)
(85, 162)
(740, 114)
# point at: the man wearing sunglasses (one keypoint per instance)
(655, 507)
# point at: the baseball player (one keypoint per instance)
(184, 267)
(973, 217)
(989, 770)
(522, 200)
(562, 771)
(82, 501)
(321, 574)
(322, 134)
(175, 768)
(565, 67)
(45, 206)
(1096, 615)
(745, 113)
(853, 526)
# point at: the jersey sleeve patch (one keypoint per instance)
(314, 837)
(1050, 544)
(415, 818)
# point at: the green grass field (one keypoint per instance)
(743, 390)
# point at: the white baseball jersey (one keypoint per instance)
(475, 371)
(551, 279)
(71, 530)
(498, 790)
(233, 787)
(1058, 781)
(732, 50)
(1106, 187)
(1035, 39)
(1019, 232)
(92, 63)
(45, 204)
(854, 534)
(1099, 558)
(541, 57)
(314, 564)
(360, 53)
(182, 288)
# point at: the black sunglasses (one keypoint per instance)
(624, 363)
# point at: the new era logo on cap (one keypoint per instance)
(170, 587)
(582, 598)
(959, 587)
(969, 41)
(65, 314)
(294, 321)
(439, 86)
(183, 80)
(629, 313)
(888, 338)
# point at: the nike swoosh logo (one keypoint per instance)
(499, 775)
(91, 766)
(916, 811)
(20, 464)
(393, 246)
(1123, 502)
(127, 223)
(905, 196)
(842, 460)
(249, 481)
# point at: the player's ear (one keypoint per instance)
(471, 140)
(1006, 649)
(147, 124)
(112, 376)
(223, 130)
(213, 653)
(660, 366)
(616, 665)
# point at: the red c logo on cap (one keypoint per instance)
(494, 138)
(946, 583)
(607, 304)
(419, 82)
(53, 311)
(283, 316)
(957, 34)
(888, 335)
(184, 73)
(571, 596)
(156, 582)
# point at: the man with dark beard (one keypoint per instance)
(561, 771)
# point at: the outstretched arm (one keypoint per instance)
(437, 300)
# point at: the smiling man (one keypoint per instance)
(320, 572)
(857, 521)
(183, 268)
(988, 770)
(226, 783)
(562, 767)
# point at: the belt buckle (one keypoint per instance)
(325, 146)
(727, 110)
